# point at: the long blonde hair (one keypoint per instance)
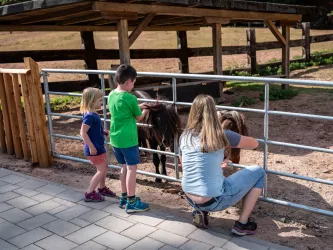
(203, 121)
(89, 98)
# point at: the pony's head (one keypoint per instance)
(234, 121)
(165, 123)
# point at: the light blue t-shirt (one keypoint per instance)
(202, 172)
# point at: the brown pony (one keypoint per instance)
(165, 123)
(234, 121)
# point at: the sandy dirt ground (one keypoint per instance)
(278, 224)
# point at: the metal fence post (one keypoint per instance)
(105, 117)
(175, 141)
(48, 109)
(266, 120)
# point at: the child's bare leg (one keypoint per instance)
(98, 177)
(131, 180)
(102, 182)
(249, 201)
(123, 173)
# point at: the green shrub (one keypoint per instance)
(62, 103)
(276, 93)
(242, 73)
(244, 101)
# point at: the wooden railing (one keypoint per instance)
(23, 131)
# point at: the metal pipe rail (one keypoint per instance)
(197, 76)
(207, 78)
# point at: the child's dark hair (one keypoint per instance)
(124, 73)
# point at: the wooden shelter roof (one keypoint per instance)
(83, 15)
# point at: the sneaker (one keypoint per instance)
(200, 219)
(122, 202)
(245, 229)
(138, 206)
(93, 197)
(105, 191)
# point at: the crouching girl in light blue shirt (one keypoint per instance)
(202, 147)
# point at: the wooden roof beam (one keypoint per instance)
(178, 21)
(220, 20)
(288, 23)
(196, 12)
(102, 22)
(119, 15)
(82, 19)
(137, 31)
(275, 32)
(192, 22)
(55, 15)
(90, 28)
(163, 19)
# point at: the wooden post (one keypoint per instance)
(182, 45)
(88, 44)
(111, 79)
(38, 112)
(252, 54)
(307, 42)
(29, 116)
(13, 116)
(217, 52)
(142, 25)
(6, 119)
(124, 52)
(285, 54)
(20, 116)
(2, 135)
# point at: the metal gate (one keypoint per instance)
(266, 111)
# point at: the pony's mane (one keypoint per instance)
(234, 121)
(162, 110)
(237, 122)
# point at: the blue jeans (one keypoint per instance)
(235, 187)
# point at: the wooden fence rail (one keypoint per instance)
(23, 129)
(104, 54)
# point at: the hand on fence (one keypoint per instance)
(106, 132)
(225, 163)
(143, 105)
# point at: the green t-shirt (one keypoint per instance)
(124, 109)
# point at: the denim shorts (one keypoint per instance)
(129, 156)
(235, 187)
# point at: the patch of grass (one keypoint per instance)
(244, 101)
(276, 93)
(297, 57)
(64, 102)
(250, 86)
(317, 60)
(273, 60)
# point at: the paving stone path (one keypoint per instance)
(36, 214)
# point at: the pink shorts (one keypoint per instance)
(97, 159)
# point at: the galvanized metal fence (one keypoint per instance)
(266, 111)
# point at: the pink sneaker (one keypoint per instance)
(106, 192)
(93, 197)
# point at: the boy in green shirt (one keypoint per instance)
(125, 112)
